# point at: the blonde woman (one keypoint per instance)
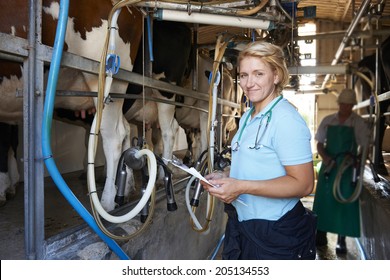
(271, 167)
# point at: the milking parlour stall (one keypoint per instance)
(113, 111)
(136, 181)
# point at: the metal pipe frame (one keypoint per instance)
(341, 33)
(220, 9)
(14, 46)
(33, 162)
(326, 69)
(346, 37)
(382, 97)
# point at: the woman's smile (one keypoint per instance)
(257, 79)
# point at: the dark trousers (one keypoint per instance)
(292, 237)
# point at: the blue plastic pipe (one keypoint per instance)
(46, 132)
(150, 39)
(216, 250)
(363, 255)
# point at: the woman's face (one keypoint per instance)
(257, 79)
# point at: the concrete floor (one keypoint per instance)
(328, 252)
(12, 228)
(59, 216)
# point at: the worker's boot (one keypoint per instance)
(341, 247)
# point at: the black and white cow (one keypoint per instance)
(87, 25)
(86, 32)
(85, 36)
(172, 44)
(189, 118)
(172, 54)
(8, 168)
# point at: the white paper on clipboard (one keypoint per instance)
(196, 173)
(193, 172)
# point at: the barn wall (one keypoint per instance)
(68, 146)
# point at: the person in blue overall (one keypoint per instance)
(271, 168)
(338, 135)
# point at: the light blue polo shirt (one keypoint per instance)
(286, 141)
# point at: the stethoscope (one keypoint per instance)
(256, 145)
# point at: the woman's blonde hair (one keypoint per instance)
(271, 55)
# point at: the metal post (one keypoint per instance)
(32, 117)
(195, 58)
(379, 115)
(220, 134)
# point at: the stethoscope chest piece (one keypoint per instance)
(267, 116)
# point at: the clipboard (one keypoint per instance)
(192, 171)
(196, 174)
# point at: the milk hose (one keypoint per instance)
(105, 75)
(46, 132)
(191, 204)
(216, 250)
(152, 164)
(347, 162)
(187, 196)
(210, 205)
(150, 192)
(218, 55)
(209, 164)
(213, 120)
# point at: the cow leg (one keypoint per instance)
(194, 146)
(4, 186)
(13, 174)
(157, 140)
(169, 129)
(115, 133)
(189, 156)
(148, 136)
(197, 147)
(5, 144)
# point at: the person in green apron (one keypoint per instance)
(338, 136)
